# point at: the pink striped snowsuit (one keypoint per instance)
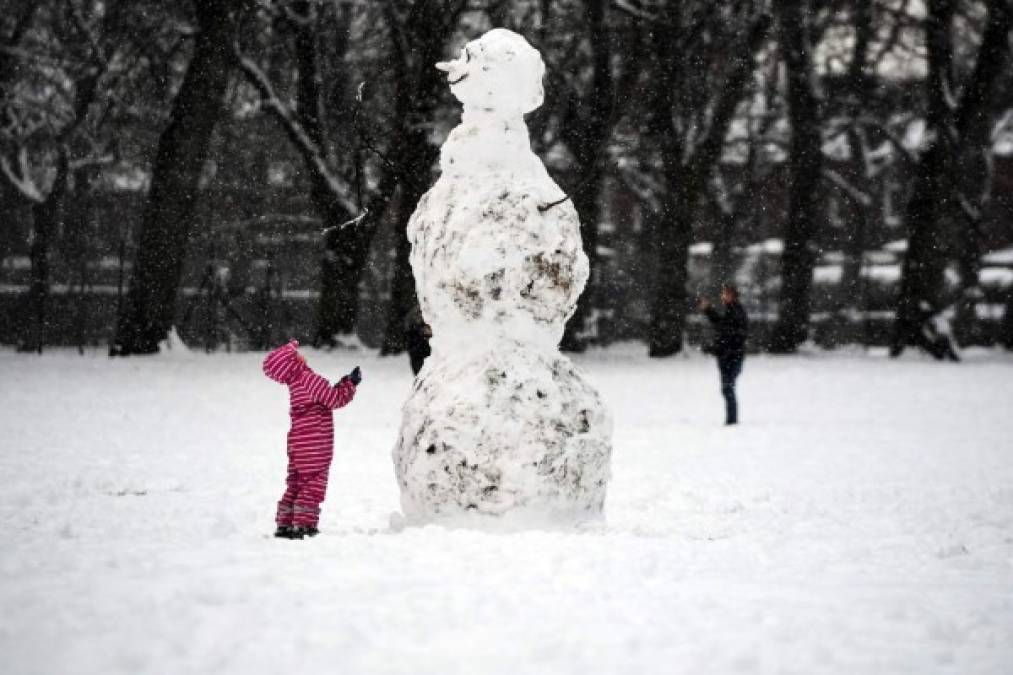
(311, 438)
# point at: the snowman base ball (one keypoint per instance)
(512, 432)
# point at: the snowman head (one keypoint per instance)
(498, 72)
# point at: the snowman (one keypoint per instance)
(498, 422)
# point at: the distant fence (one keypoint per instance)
(242, 287)
(208, 317)
(253, 304)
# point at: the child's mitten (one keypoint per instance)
(355, 376)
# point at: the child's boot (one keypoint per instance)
(308, 531)
(287, 532)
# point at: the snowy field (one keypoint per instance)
(859, 521)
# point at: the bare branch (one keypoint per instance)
(97, 53)
(897, 142)
(636, 12)
(348, 223)
(706, 151)
(314, 155)
(398, 36)
(23, 183)
(645, 186)
(971, 212)
(1006, 121)
(851, 190)
(899, 21)
(36, 57)
(92, 160)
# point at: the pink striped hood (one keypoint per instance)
(281, 365)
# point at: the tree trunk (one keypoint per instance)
(344, 253)
(722, 271)
(402, 287)
(858, 92)
(673, 225)
(799, 256)
(922, 271)
(345, 248)
(928, 246)
(670, 303)
(1006, 327)
(418, 86)
(422, 156)
(587, 141)
(170, 209)
(588, 205)
(47, 216)
(973, 167)
(852, 286)
(966, 327)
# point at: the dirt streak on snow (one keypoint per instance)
(860, 520)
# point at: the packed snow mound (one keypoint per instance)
(499, 422)
(518, 430)
(499, 72)
(486, 143)
(486, 260)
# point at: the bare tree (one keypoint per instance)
(974, 167)
(936, 199)
(586, 126)
(170, 209)
(47, 138)
(858, 91)
(391, 149)
(690, 119)
(805, 157)
(323, 121)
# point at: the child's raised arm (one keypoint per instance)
(336, 396)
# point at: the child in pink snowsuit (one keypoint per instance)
(311, 438)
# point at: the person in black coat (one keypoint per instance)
(416, 335)
(731, 328)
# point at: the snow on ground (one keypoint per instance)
(859, 521)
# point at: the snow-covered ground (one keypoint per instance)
(859, 521)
